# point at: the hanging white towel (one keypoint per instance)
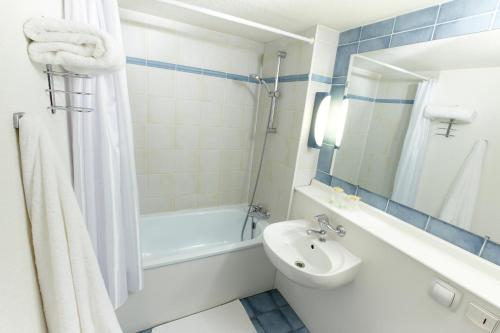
(459, 204)
(73, 293)
(457, 113)
(77, 47)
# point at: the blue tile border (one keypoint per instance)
(449, 19)
(379, 100)
(446, 20)
(269, 312)
(450, 233)
(224, 75)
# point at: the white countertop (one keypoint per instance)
(472, 273)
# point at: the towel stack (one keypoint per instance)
(457, 113)
(77, 47)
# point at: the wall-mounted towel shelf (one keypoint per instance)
(52, 91)
(448, 130)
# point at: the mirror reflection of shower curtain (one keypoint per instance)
(414, 147)
(460, 202)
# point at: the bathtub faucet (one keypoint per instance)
(259, 212)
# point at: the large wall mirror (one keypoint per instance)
(420, 125)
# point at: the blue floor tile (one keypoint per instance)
(248, 307)
(277, 298)
(257, 326)
(270, 313)
(262, 303)
(291, 317)
(274, 322)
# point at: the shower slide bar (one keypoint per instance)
(236, 19)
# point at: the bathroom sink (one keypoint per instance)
(305, 259)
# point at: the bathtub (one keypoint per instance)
(194, 260)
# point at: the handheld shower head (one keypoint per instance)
(261, 81)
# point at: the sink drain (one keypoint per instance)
(300, 264)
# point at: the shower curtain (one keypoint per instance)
(103, 161)
(460, 202)
(415, 144)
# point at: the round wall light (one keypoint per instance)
(319, 121)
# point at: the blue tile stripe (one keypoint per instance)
(449, 19)
(450, 233)
(380, 100)
(224, 75)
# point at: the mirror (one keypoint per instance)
(419, 124)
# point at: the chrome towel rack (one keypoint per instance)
(52, 91)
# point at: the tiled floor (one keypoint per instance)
(270, 313)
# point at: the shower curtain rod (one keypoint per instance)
(399, 69)
(236, 19)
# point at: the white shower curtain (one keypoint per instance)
(460, 202)
(414, 147)
(103, 161)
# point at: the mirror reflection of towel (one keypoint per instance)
(460, 202)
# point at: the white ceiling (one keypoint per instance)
(478, 50)
(290, 15)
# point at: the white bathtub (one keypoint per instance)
(169, 238)
(194, 260)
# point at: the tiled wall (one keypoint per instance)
(193, 111)
(288, 161)
(450, 19)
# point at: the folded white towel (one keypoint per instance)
(77, 47)
(73, 293)
(457, 113)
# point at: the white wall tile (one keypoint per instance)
(187, 112)
(185, 202)
(191, 51)
(187, 160)
(140, 161)
(211, 114)
(157, 205)
(134, 40)
(187, 137)
(161, 161)
(160, 137)
(161, 110)
(188, 86)
(185, 183)
(161, 82)
(163, 45)
(139, 131)
(209, 182)
(159, 185)
(137, 79)
(210, 160)
(211, 138)
(233, 115)
(138, 107)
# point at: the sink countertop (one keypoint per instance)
(468, 271)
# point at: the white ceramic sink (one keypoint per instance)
(307, 261)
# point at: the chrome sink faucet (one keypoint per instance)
(324, 226)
